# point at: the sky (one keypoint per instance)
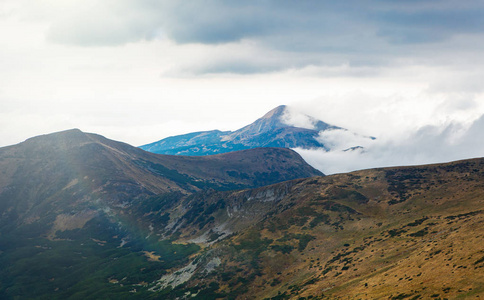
(407, 72)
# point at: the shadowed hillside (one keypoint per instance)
(77, 206)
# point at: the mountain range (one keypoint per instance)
(85, 217)
(277, 128)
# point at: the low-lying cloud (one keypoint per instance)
(429, 144)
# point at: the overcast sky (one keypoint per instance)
(141, 70)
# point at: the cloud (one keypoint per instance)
(428, 144)
(343, 140)
(293, 117)
(303, 24)
(103, 23)
(469, 81)
(430, 24)
(295, 35)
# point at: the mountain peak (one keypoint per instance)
(67, 138)
(268, 122)
(275, 112)
(282, 127)
(64, 133)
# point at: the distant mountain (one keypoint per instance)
(274, 129)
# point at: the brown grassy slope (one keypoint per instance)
(396, 233)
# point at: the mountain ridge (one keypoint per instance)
(273, 129)
(72, 164)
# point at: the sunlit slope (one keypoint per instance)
(397, 233)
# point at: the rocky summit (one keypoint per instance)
(277, 128)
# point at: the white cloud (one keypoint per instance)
(341, 140)
(283, 36)
(293, 117)
(429, 144)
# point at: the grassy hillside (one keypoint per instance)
(398, 233)
(83, 217)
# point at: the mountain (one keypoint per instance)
(73, 154)
(84, 217)
(71, 169)
(274, 129)
(64, 195)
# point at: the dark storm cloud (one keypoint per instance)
(428, 26)
(219, 22)
(363, 32)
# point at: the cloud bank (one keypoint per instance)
(429, 144)
(286, 34)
